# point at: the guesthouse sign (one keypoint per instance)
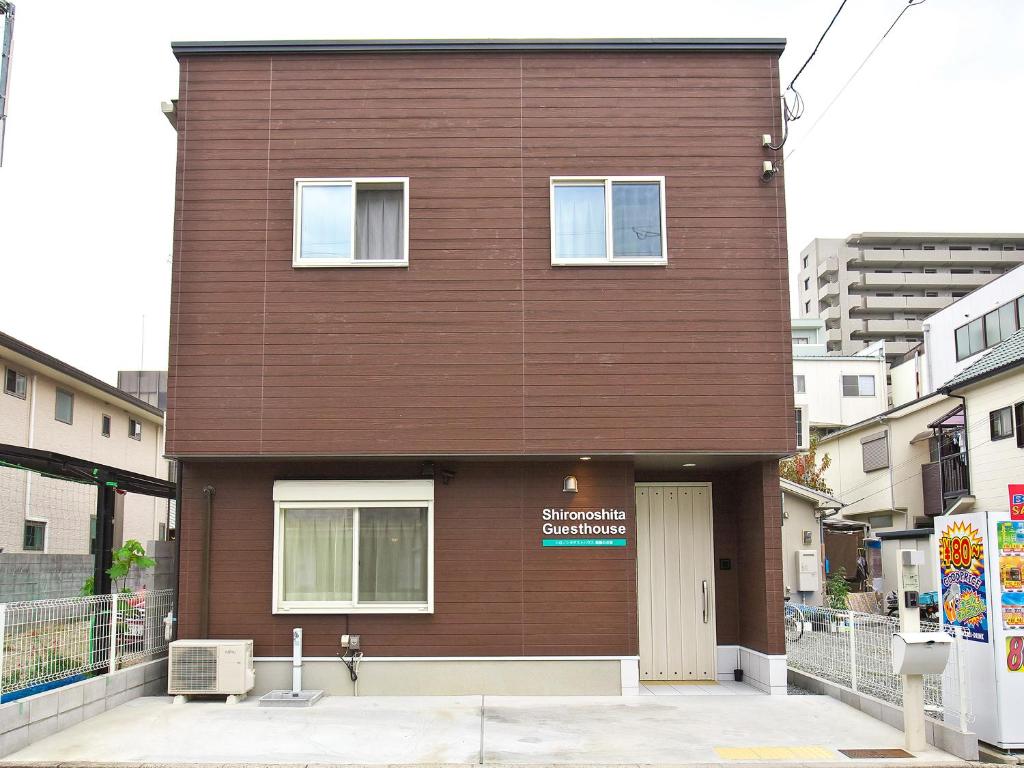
(605, 527)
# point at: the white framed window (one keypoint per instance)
(353, 546)
(798, 413)
(64, 406)
(858, 386)
(15, 383)
(800, 384)
(608, 221)
(134, 429)
(358, 222)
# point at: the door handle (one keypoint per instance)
(704, 594)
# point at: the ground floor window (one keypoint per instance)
(35, 536)
(353, 546)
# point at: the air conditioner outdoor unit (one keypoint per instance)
(215, 667)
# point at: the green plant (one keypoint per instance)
(805, 469)
(130, 555)
(837, 588)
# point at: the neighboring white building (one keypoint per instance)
(833, 391)
(48, 405)
(882, 285)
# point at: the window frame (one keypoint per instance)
(106, 424)
(8, 370)
(350, 494)
(992, 423)
(609, 259)
(134, 434)
(300, 183)
(799, 384)
(56, 401)
(1018, 423)
(34, 521)
(858, 377)
(799, 418)
(869, 440)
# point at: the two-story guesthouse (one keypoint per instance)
(480, 350)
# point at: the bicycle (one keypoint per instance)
(794, 623)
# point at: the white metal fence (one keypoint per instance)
(854, 650)
(44, 641)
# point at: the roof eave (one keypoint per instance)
(198, 48)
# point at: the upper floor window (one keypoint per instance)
(64, 409)
(35, 536)
(351, 222)
(805, 262)
(1001, 423)
(988, 330)
(134, 429)
(617, 220)
(105, 425)
(875, 451)
(807, 307)
(800, 384)
(15, 383)
(799, 414)
(858, 386)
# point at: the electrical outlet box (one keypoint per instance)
(351, 642)
(807, 570)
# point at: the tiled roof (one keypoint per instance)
(1005, 355)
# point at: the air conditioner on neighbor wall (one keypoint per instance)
(214, 667)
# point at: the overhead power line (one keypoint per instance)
(794, 111)
(910, 4)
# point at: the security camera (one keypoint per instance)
(768, 170)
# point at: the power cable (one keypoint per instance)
(796, 111)
(910, 4)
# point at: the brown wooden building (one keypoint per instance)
(421, 290)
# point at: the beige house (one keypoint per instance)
(880, 466)
(992, 394)
(804, 512)
(48, 405)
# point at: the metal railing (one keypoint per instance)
(47, 641)
(854, 650)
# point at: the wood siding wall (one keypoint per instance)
(480, 346)
(497, 591)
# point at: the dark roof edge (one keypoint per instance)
(912, 533)
(1004, 368)
(766, 44)
(38, 356)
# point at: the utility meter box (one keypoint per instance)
(920, 653)
(807, 570)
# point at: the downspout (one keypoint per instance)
(179, 475)
(204, 572)
(31, 443)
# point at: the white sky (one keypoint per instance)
(924, 139)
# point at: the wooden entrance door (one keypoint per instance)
(675, 581)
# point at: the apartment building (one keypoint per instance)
(833, 391)
(455, 364)
(49, 405)
(150, 386)
(881, 285)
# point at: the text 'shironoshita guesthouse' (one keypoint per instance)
(480, 350)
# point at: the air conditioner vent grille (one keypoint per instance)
(193, 669)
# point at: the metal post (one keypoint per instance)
(7, 9)
(908, 580)
(853, 651)
(113, 633)
(961, 676)
(104, 538)
(3, 632)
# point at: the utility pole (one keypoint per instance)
(7, 11)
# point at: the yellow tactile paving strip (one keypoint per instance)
(775, 753)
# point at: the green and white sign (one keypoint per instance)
(583, 527)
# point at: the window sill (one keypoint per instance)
(349, 609)
(319, 264)
(609, 263)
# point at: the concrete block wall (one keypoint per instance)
(34, 718)
(944, 736)
(38, 576)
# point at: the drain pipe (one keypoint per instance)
(204, 572)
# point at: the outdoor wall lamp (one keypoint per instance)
(569, 484)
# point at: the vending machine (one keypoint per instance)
(981, 559)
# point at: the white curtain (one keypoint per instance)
(317, 554)
(393, 554)
(579, 222)
(380, 223)
(636, 220)
(326, 222)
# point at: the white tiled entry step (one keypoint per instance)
(697, 688)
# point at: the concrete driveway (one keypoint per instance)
(474, 730)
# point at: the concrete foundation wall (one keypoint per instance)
(25, 576)
(941, 735)
(34, 718)
(495, 677)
